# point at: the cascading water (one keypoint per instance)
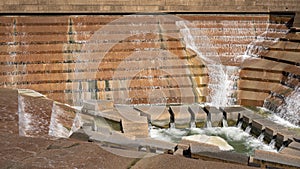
(272, 143)
(193, 125)
(248, 129)
(172, 126)
(261, 136)
(224, 122)
(220, 83)
(239, 125)
(241, 142)
(290, 109)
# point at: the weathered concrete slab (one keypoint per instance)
(63, 121)
(291, 152)
(214, 115)
(285, 135)
(182, 116)
(98, 105)
(272, 130)
(294, 145)
(259, 125)
(199, 114)
(132, 123)
(276, 159)
(231, 157)
(35, 112)
(158, 144)
(159, 115)
(201, 147)
(232, 114)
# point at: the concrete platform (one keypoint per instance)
(159, 115)
(183, 117)
(214, 115)
(232, 114)
(271, 159)
(199, 113)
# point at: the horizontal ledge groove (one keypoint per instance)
(260, 79)
(37, 81)
(100, 70)
(254, 90)
(90, 51)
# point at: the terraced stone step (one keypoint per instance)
(271, 159)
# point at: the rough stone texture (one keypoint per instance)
(169, 161)
(28, 48)
(272, 159)
(29, 152)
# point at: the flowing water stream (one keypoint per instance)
(241, 141)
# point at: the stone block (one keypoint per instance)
(272, 159)
(199, 113)
(159, 114)
(271, 131)
(294, 145)
(200, 147)
(98, 105)
(62, 120)
(182, 116)
(80, 135)
(284, 137)
(232, 113)
(291, 152)
(35, 112)
(214, 115)
(158, 144)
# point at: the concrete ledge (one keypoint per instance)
(214, 115)
(223, 156)
(294, 145)
(272, 159)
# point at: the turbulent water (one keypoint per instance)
(241, 142)
(290, 110)
(221, 78)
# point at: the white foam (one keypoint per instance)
(230, 134)
(282, 121)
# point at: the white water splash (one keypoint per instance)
(220, 76)
(25, 119)
(248, 129)
(224, 122)
(234, 136)
(193, 125)
(261, 136)
(275, 118)
(239, 125)
(290, 109)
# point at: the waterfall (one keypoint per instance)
(172, 125)
(248, 129)
(281, 148)
(25, 119)
(193, 125)
(224, 122)
(219, 82)
(261, 136)
(272, 143)
(290, 109)
(239, 125)
(208, 124)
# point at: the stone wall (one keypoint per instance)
(133, 6)
(65, 57)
